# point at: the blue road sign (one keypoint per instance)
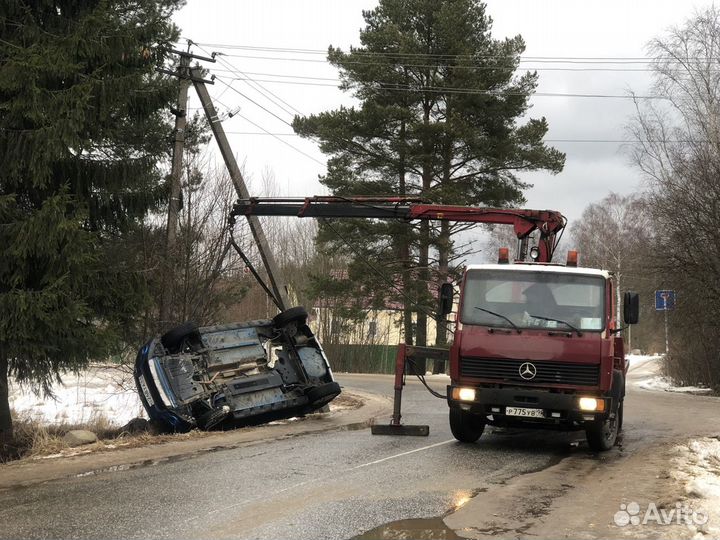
(664, 300)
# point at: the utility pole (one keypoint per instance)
(667, 338)
(175, 190)
(276, 279)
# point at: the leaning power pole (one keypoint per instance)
(195, 75)
(273, 270)
(175, 189)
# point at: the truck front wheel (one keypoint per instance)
(601, 435)
(466, 427)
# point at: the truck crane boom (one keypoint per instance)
(549, 223)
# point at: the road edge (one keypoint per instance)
(28, 472)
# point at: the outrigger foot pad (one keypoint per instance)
(400, 429)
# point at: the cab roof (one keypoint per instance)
(539, 267)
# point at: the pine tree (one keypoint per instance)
(83, 127)
(438, 118)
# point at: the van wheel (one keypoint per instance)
(318, 396)
(466, 427)
(296, 314)
(173, 339)
(601, 435)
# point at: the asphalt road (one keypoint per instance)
(327, 485)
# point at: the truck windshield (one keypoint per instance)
(518, 295)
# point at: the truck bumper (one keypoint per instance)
(560, 411)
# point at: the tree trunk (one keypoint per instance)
(424, 243)
(443, 247)
(6, 426)
(424, 278)
(404, 245)
(404, 254)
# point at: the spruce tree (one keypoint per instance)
(439, 117)
(83, 128)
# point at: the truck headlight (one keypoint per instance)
(591, 404)
(464, 394)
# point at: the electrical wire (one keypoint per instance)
(281, 140)
(400, 63)
(559, 59)
(588, 141)
(256, 86)
(524, 68)
(265, 130)
(387, 87)
(231, 87)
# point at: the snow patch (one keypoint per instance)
(697, 466)
(636, 359)
(100, 392)
(645, 372)
(658, 382)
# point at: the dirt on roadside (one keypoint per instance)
(584, 496)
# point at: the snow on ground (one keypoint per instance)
(644, 372)
(96, 393)
(697, 466)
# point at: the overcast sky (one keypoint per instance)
(551, 28)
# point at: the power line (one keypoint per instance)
(279, 139)
(580, 141)
(522, 58)
(264, 131)
(253, 101)
(231, 66)
(533, 68)
(470, 91)
(256, 86)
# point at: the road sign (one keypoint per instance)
(664, 300)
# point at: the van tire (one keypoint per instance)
(173, 339)
(295, 314)
(318, 396)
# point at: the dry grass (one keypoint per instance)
(32, 438)
(35, 440)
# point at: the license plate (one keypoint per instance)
(146, 390)
(522, 411)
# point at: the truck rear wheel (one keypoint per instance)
(466, 427)
(601, 435)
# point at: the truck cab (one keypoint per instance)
(538, 345)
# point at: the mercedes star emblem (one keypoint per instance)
(528, 371)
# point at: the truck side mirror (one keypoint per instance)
(446, 298)
(631, 307)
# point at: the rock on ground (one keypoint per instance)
(78, 437)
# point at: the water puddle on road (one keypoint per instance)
(411, 529)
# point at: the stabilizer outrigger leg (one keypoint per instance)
(395, 427)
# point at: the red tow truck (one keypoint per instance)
(536, 343)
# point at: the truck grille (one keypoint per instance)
(547, 372)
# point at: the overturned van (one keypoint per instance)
(234, 373)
